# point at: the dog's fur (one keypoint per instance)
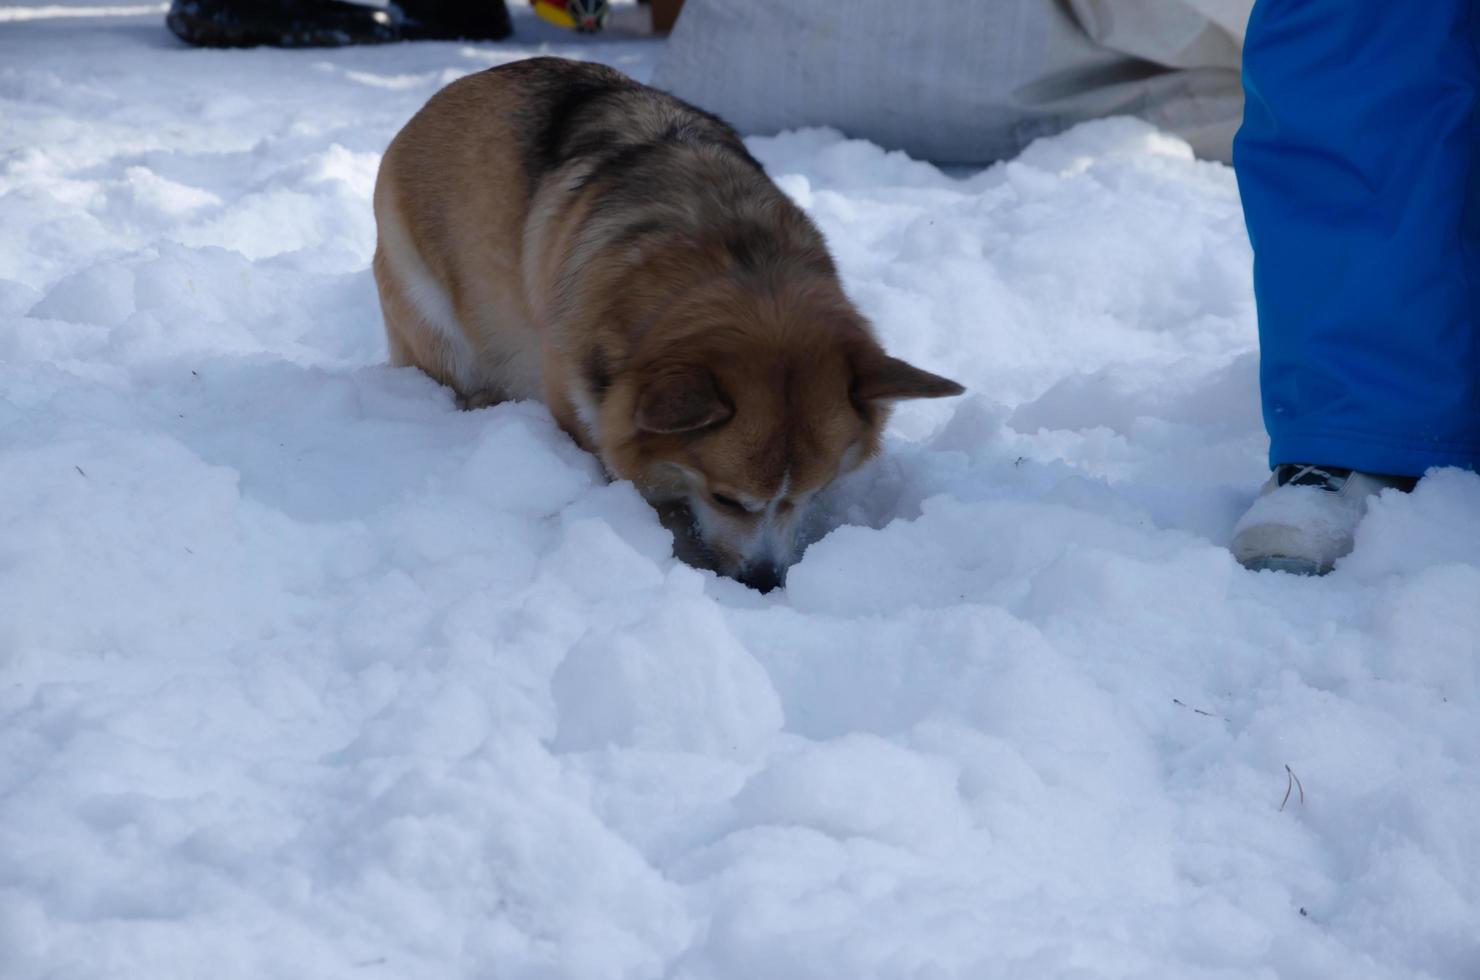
(552, 229)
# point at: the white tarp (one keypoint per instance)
(957, 81)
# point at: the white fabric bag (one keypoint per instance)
(962, 81)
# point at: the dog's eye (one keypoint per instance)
(729, 503)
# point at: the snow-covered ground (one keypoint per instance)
(306, 674)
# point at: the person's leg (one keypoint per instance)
(1359, 167)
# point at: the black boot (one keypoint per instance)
(447, 20)
(331, 23)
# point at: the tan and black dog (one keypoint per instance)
(552, 229)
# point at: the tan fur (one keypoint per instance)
(553, 230)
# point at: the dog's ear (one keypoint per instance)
(681, 400)
(877, 377)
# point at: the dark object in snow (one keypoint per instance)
(664, 14)
(332, 23)
(1292, 782)
(1197, 711)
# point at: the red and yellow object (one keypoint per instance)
(586, 16)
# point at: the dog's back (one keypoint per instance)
(497, 196)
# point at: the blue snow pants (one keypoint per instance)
(1359, 167)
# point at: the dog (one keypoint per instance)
(552, 229)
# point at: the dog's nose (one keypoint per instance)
(763, 576)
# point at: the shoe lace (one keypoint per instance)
(1308, 475)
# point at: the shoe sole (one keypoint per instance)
(1281, 563)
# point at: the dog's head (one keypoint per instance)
(740, 406)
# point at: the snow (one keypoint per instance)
(304, 673)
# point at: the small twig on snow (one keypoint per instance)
(1292, 781)
(1197, 711)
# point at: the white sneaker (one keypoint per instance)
(1306, 517)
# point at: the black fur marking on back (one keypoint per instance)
(638, 230)
(598, 373)
(562, 138)
(561, 95)
(581, 110)
(619, 163)
(751, 246)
